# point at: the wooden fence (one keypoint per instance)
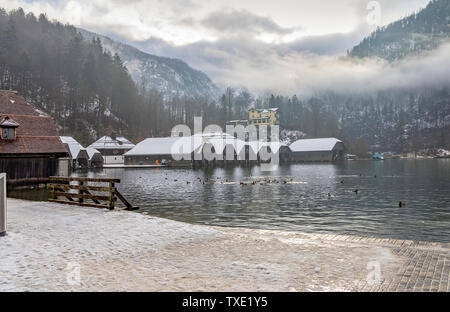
(77, 194)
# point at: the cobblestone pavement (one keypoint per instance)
(427, 269)
(425, 266)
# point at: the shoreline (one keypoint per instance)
(125, 251)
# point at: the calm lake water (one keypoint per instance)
(299, 201)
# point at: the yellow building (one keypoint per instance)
(263, 117)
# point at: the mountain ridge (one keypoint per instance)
(170, 76)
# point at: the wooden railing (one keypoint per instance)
(76, 194)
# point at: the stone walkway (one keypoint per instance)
(425, 265)
(427, 269)
(125, 251)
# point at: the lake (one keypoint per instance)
(296, 197)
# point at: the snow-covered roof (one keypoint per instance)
(91, 152)
(220, 140)
(314, 145)
(264, 110)
(68, 140)
(73, 145)
(74, 150)
(166, 146)
(107, 142)
(187, 145)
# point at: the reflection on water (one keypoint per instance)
(296, 197)
(30, 194)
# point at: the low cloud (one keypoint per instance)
(307, 74)
(241, 21)
(230, 46)
(283, 69)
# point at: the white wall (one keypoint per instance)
(111, 160)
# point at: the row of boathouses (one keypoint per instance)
(222, 148)
(82, 157)
(108, 150)
(32, 150)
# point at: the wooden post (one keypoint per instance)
(3, 204)
(111, 195)
(80, 192)
(53, 192)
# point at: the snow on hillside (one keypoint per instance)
(171, 77)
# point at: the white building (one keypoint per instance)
(312, 150)
(112, 148)
(155, 150)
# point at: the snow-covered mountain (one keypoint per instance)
(172, 77)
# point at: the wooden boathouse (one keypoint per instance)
(30, 147)
(316, 150)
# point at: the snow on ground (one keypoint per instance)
(53, 247)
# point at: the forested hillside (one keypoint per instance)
(171, 77)
(397, 121)
(87, 90)
(414, 34)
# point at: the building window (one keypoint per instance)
(8, 134)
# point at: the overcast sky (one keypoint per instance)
(222, 37)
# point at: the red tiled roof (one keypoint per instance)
(12, 103)
(36, 133)
(35, 126)
(32, 145)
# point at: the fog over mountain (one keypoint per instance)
(171, 77)
(318, 63)
(236, 43)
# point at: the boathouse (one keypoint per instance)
(30, 147)
(316, 150)
(223, 147)
(95, 158)
(82, 157)
(259, 150)
(112, 148)
(78, 154)
(154, 151)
